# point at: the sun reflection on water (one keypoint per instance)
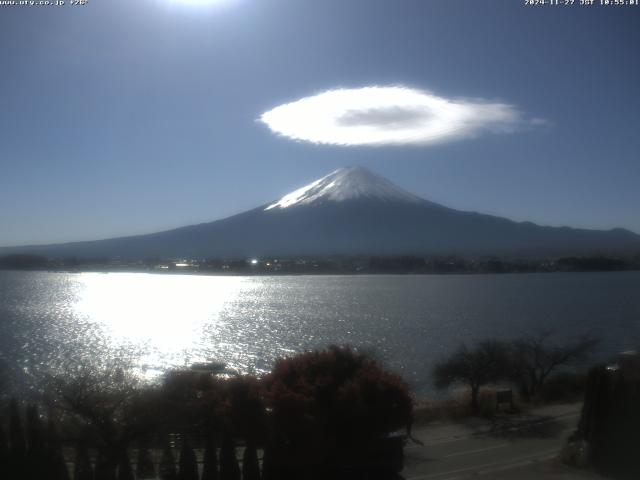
(164, 315)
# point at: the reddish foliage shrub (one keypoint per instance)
(241, 404)
(338, 392)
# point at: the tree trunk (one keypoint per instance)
(475, 407)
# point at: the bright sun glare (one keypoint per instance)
(197, 3)
(165, 313)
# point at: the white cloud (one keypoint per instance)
(392, 115)
(539, 122)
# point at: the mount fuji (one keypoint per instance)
(348, 212)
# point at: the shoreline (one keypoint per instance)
(206, 273)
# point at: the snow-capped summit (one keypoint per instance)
(347, 183)
(351, 211)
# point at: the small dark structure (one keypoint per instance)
(504, 396)
(610, 422)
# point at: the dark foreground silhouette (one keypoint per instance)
(608, 435)
(318, 415)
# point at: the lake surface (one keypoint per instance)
(54, 321)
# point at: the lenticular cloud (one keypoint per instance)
(388, 116)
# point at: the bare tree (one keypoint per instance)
(534, 357)
(479, 365)
(110, 402)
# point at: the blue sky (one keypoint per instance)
(125, 117)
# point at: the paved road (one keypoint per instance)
(519, 447)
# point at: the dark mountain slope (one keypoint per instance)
(353, 211)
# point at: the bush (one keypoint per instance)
(337, 390)
(459, 407)
(242, 406)
(564, 388)
(329, 409)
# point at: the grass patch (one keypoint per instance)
(458, 407)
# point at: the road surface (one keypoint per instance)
(518, 447)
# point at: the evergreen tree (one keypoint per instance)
(16, 435)
(167, 465)
(268, 463)
(37, 460)
(4, 449)
(210, 468)
(35, 431)
(104, 470)
(82, 468)
(55, 456)
(16, 464)
(125, 472)
(145, 467)
(250, 465)
(229, 469)
(188, 463)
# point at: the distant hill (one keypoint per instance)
(352, 211)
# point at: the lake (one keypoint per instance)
(53, 321)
